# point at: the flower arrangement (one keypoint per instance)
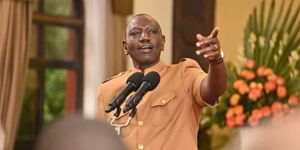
(258, 93)
(267, 85)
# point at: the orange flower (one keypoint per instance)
(260, 71)
(238, 109)
(234, 99)
(239, 119)
(260, 86)
(281, 92)
(230, 122)
(268, 71)
(254, 94)
(250, 64)
(266, 111)
(249, 75)
(230, 113)
(280, 81)
(272, 77)
(277, 107)
(257, 113)
(243, 89)
(253, 121)
(293, 100)
(243, 73)
(238, 83)
(269, 86)
(253, 85)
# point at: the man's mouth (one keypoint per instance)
(145, 49)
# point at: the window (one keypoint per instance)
(55, 78)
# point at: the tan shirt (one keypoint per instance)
(168, 117)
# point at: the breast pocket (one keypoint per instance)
(160, 108)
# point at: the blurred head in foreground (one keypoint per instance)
(77, 133)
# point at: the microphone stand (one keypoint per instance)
(118, 127)
(118, 111)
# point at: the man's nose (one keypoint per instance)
(144, 37)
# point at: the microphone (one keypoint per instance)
(150, 82)
(132, 84)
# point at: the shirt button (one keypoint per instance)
(163, 101)
(141, 146)
(140, 123)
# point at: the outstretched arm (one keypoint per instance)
(214, 84)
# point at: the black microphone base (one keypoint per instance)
(126, 108)
(109, 108)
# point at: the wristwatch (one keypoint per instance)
(222, 54)
(219, 60)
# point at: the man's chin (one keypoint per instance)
(148, 61)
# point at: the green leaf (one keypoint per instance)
(269, 24)
(262, 13)
(271, 51)
(293, 20)
(287, 15)
(268, 32)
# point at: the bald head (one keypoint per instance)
(76, 133)
(132, 20)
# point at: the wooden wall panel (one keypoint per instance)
(191, 17)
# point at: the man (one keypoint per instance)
(77, 133)
(168, 117)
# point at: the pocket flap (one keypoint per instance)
(162, 99)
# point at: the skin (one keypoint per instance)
(215, 83)
(142, 30)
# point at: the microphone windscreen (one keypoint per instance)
(153, 79)
(136, 79)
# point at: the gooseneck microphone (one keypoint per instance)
(132, 84)
(150, 82)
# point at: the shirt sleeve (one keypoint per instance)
(192, 76)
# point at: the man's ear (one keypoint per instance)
(163, 43)
(125, 47)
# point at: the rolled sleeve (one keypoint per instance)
(192, 76)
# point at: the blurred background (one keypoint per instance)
(73, 45)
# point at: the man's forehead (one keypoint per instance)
(142, 20)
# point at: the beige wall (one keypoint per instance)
(162, 11)
(231, 17)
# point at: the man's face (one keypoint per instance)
(144, 41)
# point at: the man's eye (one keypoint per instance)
(152, 31)
(135, 33)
